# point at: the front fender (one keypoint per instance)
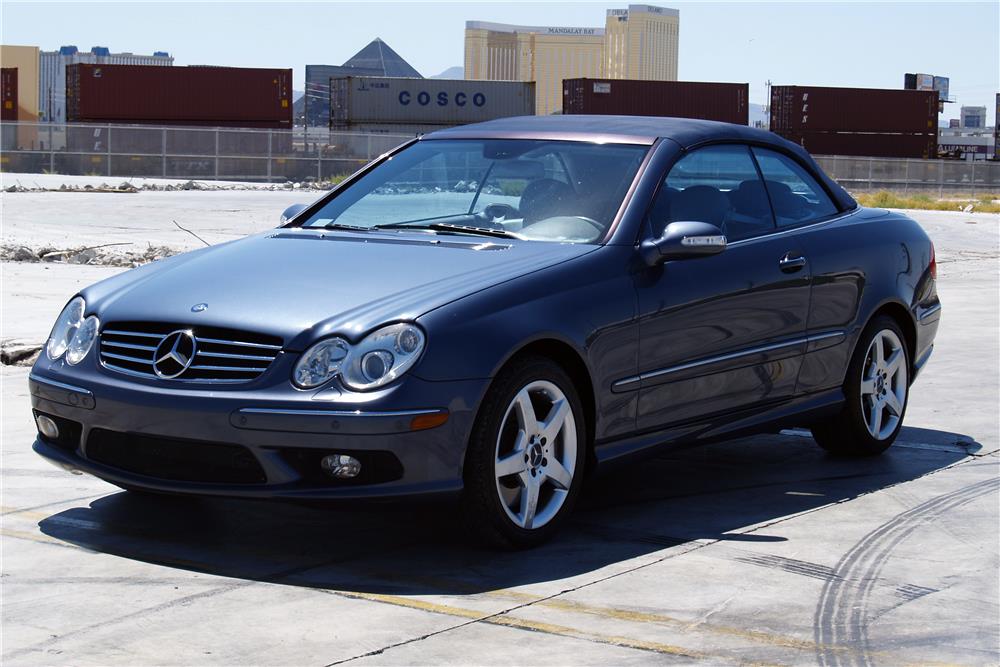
(587, 304)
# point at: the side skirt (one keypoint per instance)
(799, 411)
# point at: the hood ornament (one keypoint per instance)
(199, 307)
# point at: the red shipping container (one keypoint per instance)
(8, 87)
(726, 102)
(866, 144)
(148, 94)
(813, 108)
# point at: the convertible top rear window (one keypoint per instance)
(540, 190)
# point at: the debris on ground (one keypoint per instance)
(18, 352)
(109, 254)
(127, 186)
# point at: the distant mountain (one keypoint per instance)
(297, 95)
(457, 72)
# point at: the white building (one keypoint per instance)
(52, 73)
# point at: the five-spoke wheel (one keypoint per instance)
(536, 454)
(883, 386)
(526, 454)
(876, 389)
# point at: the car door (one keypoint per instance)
(800, 202)
(723, 332)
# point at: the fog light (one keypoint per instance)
(47, 427)
(340, 466)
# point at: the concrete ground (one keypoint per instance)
(760, 550)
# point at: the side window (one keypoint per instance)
(795, 195)
(719, 185)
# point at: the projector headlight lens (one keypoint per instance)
(383, 356)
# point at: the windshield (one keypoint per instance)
(529, 189)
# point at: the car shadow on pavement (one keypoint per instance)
(737, 491)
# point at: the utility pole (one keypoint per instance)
(767, 103)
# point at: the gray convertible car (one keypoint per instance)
(490, 313)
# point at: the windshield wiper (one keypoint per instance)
(448, 227)
(350, 228)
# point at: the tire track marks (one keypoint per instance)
(842, 612)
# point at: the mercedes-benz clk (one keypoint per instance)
(493, 311)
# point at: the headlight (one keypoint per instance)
(65, 328)
(320, 363)
(83, 340)
(378, 359)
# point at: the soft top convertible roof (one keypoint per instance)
(688, 133)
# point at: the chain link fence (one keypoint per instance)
(283, 155)
(939, 178)
(188, 152)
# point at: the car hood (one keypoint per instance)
(304, 284)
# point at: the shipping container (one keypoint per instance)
(726, 102)
(208, 96)
(401, 129)
(871, 144)
(376, 100)
(8, 84)
(812, 108)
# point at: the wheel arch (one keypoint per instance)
(904, 318)
(570, 360)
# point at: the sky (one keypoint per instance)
(861, 44)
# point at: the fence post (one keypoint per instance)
(906, 177)
(109, 150)
(52, 151)
(940, 181)
(870, 160)
(216, 153)
(163, 150)
(270, 136)
(972, 166)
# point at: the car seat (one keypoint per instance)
(545, 198)
(702, 203)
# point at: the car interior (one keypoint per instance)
(740, 212)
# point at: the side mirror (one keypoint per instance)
(292, 211)
(684, 240)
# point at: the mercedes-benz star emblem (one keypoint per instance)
(174, 354)
(199, 307)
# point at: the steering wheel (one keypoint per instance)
(564, 227)
(590, 221)
(502, 211)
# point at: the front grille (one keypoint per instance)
(177, 460)
(221, 355)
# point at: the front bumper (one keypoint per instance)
(281, 428)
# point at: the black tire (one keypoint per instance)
(485, 516)
(847, 433)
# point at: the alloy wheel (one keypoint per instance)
(536, 453)
(883, 384)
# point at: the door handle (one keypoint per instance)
(790, 262)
